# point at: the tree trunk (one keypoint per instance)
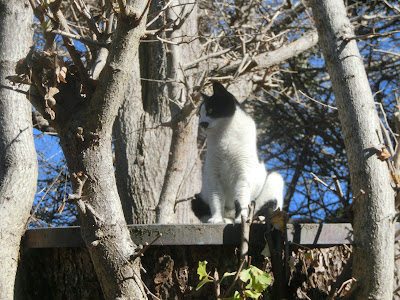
(18, 162)
(373, 212)
(84, 126)
(182, 178)
(145, 146)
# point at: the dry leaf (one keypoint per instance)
(309, 255)
(61, 71)
(266, 252)
(384, 154)
(278, 220)
(49, 97)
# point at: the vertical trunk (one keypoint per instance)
(85, 132)
(101, 217)
(373, 213)
(141, 144)
(144, 146)
(182, 178)
(18, 163)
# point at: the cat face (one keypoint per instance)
(220, 105)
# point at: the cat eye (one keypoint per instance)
(209, 110)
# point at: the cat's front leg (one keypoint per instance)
(242, 201)
(217, 208)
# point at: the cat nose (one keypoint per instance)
(204, 124)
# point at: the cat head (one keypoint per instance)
(221, 105)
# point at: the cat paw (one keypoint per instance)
(229, 221)
(215, 220)
(238, 219)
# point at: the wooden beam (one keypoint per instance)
(198, 234)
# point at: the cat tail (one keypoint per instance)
(271, 195)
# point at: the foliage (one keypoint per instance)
(256, 281)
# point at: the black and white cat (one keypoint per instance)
(233, 175)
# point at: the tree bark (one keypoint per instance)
(84, 126)
(147, 138)
(182, 178)
(373, 213)
(18, 162)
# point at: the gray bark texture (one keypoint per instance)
(84, 127)
(156, 155)
(373, 212)
(18, 162)
(182, 178)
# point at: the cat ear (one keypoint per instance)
(219, 89)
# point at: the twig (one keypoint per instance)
(208, 56)
(244, 245)
(286, 252)
(147, 245)
(166, 41)
(234, 280)
(159, 14)
(80, 6)
(316, 101)
(370, 35)
(217, 285)
(356, 198)
(134, 273)
(305, 295)
(319, 180)
(385, 130)
(338, 189)
(138, 20)
(80, 180)
(47, 191)
(79, 38)
(386, 52)
(75, 55)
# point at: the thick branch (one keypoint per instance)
(276, 57)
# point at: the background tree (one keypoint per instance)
(18, 163)
(155, 136)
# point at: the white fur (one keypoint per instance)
(232, 170)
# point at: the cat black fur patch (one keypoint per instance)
(221, 104)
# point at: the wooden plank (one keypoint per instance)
(197, 234)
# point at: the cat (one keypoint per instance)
(233, 175)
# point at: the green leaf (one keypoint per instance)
(227, 274)
(257, 280)
(201, 270)
(255, 271)
(245, 275)
(252, 294)
(203, 282)
(236, 296)
(260, 282)
(203, 276)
